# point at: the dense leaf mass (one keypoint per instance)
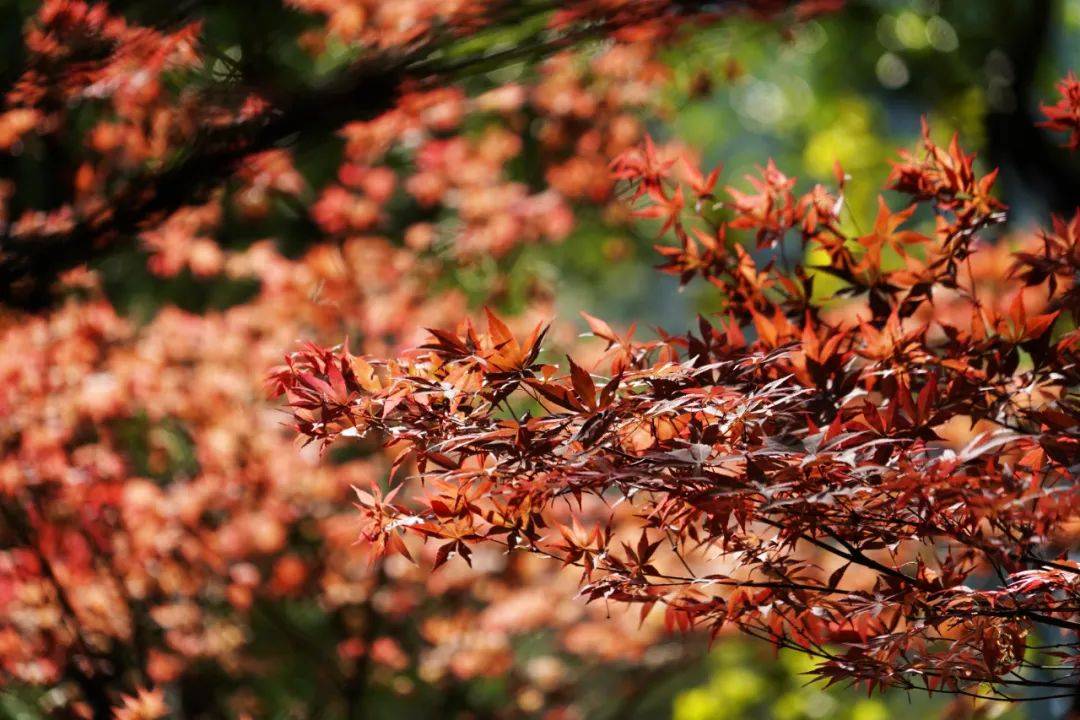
(872, 457)
(870, 454)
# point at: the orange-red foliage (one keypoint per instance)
(1064, 116)
(884, 476)
(166, 133)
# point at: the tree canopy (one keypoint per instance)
(857, 439)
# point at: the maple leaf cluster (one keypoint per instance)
(1064, 116)
(883, 475)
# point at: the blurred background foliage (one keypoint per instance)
(746, 681)
(848, 88)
